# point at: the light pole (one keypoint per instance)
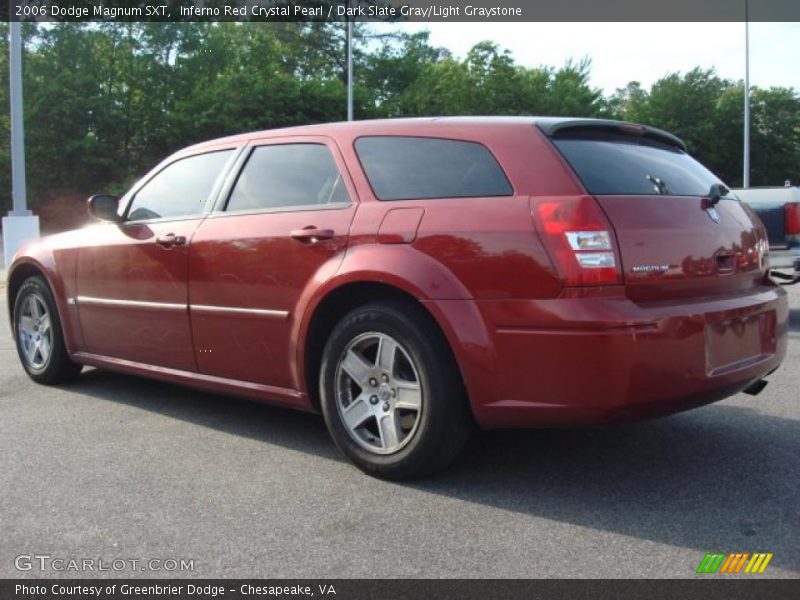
(349, 63)
(20, 225)
(18, 191)
(746, 161)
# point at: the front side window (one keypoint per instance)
(414, 168)
(180, 189)
(288, 175)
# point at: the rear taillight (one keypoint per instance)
(579, 239)
(792, 218)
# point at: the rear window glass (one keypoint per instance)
(410, 168)
(626, 167)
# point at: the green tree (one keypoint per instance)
(628, 102)
(570, 93)
(707, 113)
(775, 136)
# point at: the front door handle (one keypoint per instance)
(170, 239)
(312, 234)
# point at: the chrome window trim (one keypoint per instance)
(281, 209)
(176, 219)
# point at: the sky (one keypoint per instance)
(644, 52)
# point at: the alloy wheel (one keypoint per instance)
(379, 393)
(35, 332)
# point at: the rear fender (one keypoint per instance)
(420, 276)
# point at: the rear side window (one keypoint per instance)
(413, 168)
(288, 175)
(627, 167)
(180, 189)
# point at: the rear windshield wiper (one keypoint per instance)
(717, 191)
(659, 184)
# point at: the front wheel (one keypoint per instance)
(38, 333)
(391, 393)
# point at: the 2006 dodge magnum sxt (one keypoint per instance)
(411, 278)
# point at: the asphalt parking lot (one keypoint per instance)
(118, 467)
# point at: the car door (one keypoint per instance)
(132, 276)
(283, 220)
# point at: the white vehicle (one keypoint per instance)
(779, 210)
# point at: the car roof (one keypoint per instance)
(549, 125)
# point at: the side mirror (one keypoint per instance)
(104, 207)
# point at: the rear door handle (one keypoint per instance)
(312, 234)
(170, 239)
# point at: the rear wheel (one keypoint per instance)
(38, 334)
(391, 394)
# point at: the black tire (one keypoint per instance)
(443, 423)
(58, 367)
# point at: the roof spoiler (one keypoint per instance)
(552, 127)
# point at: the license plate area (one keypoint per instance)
(739, 342)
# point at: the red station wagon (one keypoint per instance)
(411, 278)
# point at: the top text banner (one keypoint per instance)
(405, 10)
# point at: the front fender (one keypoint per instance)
(57, 264)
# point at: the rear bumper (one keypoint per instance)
(593, 360)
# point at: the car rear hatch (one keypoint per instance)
(675, 238)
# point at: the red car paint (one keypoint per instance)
(531, 350)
